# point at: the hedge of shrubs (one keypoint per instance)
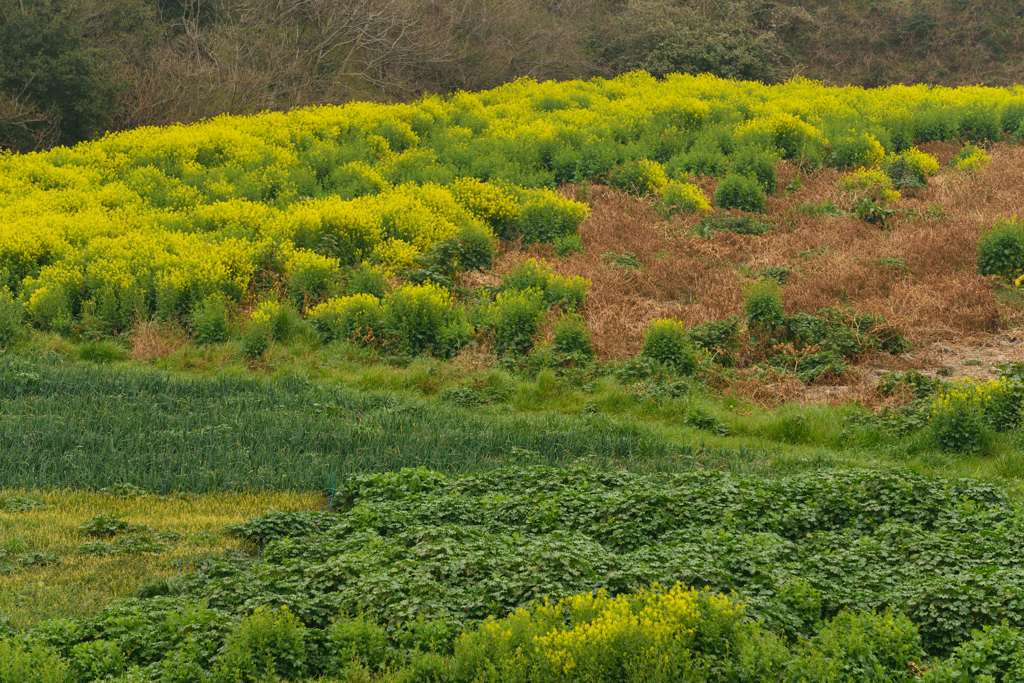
(539, 574)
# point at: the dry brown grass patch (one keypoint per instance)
(151, 340)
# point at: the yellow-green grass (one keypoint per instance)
(73, 583)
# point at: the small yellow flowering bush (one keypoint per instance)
(678, 197)
(870, 192)
(358, 318)
(911, 168)
(964, 415)
(971, 159)
(653, 635)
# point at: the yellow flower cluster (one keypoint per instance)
(970, 394)
(147, 221)
(593, 635)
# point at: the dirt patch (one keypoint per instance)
(919, 271)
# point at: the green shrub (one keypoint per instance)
(97, 659)
(740, 192)
(366, 279)
(857, 151)
(354, 179)
(677, 197)
(666, 342)
(568, 244)
(566, 291)
(310, 277)
(970, 159)
(267, 645)
(358, 317)
(1004, 404)
(1001, 250)
(356, 640)
(515, 317)
(11, 316)
(639, 177)
(704, 158)
(424, 319)
(210, 320)
(911, 168)
(546, 216)
(869, 194)
(995, 653)
(861, 647)
(756, 163)
(762, 304)
(572, 339)
(256, 339)
(981, 124)
(720, 338)
(20, 663)
(282, 319)
(657, 636)
(475, 247)
(958, 421)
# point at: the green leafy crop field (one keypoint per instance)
(632, 379)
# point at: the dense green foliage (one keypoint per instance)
(426, 556)
(1001, 250)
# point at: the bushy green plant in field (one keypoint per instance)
(281, 319)
(762, 305)
(546, 216)
(740, 192)
(720, 338)
(366, 279)
(424, 319)
(474, 248)
(310, 277)
(267, 645)
(870, 193)
(666, 342)
(970, 159)
(958, 421)
(210, 320)
(868, 647)
(568, 245)
(911, 168)
(357, 317)
(1001, 250)
(994, 653)
(357, 640)
(571, 340)
(97, 660)
(567, 292)
(857, 150)
(704, 158)
(741, 225)
(682, 198)
(515, 317)
(639, 177)
(354, 179)
(756, 163)
(256, 339)
(21, 663)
